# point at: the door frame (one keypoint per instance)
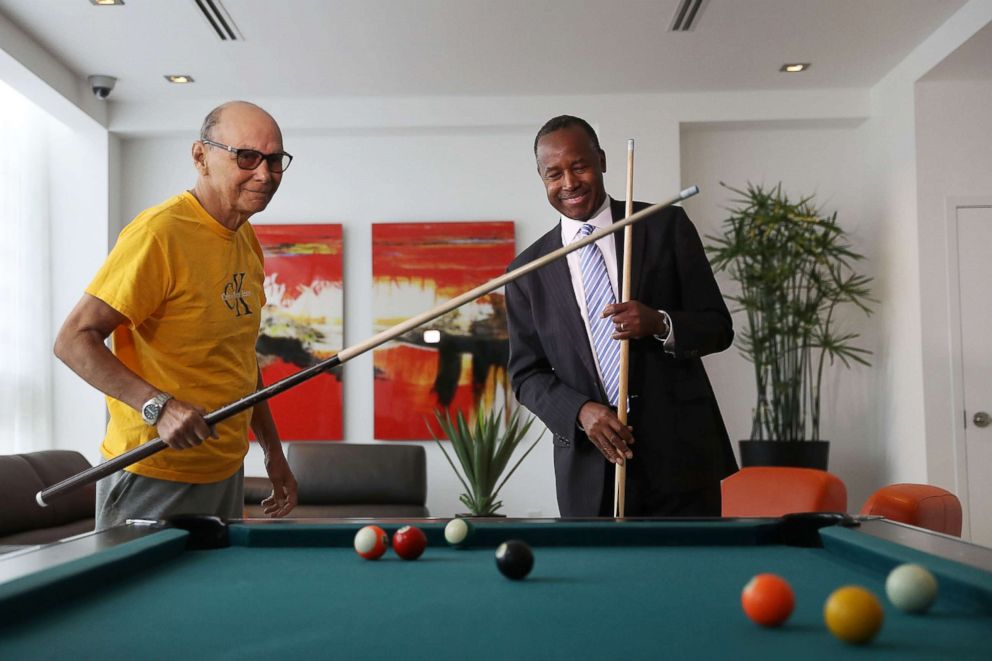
(958, 446)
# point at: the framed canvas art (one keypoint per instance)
(302, 324)
(457, 361)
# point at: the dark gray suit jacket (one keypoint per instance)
(680, 437)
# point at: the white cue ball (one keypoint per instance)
(911, 588)
(456, 531)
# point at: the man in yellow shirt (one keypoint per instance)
(182, 294)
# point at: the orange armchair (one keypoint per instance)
(779, 490)
(920, 505)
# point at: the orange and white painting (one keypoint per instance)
(457, 361)
(302, 324)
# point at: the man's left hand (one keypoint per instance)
(283, 498)
(633, 319)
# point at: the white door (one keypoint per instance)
(974, 231)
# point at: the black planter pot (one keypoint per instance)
(798, 454)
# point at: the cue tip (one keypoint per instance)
(630, 144)
(689, 192)
(41, 501)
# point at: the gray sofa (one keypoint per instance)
(351, 480)
(335, 480)
(22, 476)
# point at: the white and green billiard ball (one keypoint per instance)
(911, 588)
(458, 532)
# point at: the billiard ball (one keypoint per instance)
(409, 542)
(514, 559)
(768, 600)
(911, 588)
(458, 532)
(853, 614)
(371, 542)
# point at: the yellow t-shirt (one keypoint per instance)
(192, 291)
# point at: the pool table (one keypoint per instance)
(600, 589)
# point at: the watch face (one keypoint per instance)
(150, 413)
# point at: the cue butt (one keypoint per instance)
(620, 470)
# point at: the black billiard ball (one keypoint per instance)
(514, 559)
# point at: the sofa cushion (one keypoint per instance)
(22, 476)
(359, 474)
(18, 485)
(257, 489)
(53, 466)
(356, 511)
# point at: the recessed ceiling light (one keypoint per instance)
(179, 79)
(432, 336)
(795, 67)
(107, 3)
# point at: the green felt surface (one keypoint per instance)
(581, 602)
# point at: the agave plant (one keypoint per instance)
(483, 451)
(795, 267)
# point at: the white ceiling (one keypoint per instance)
(327, 48)
(971, 61)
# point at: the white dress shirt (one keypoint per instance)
(569, 233)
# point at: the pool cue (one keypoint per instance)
(620, 471)
(146, 450)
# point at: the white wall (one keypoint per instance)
(891, 200)
(79, 208)
(35, 73)
(808, 157)
(77, 217)
(954, 140)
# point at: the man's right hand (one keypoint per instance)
(606, 432)
(182, 426)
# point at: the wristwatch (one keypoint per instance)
(151, 410)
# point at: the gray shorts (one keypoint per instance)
(123, 495)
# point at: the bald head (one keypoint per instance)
(234, 111)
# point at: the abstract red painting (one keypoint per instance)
(458, 360)
(302, 324)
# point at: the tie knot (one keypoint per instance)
(586, 229)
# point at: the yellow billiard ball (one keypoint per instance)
(853, 614)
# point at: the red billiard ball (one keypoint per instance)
(409, 542)
(371, 542)
(768, 600)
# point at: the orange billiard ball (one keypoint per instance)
(768, 600)
(371, 542)
(409, 542)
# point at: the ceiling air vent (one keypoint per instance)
(218, 18)
(687, 15)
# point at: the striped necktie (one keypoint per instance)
(599, 294)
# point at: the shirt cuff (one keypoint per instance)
(669, 339)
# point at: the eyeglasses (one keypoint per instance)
(250, 159)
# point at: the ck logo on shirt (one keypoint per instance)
(234, 295)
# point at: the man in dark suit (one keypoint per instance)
(676, 315)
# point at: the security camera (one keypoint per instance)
(102, 86)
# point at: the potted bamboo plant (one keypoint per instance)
(483, 449)
(795, 268)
